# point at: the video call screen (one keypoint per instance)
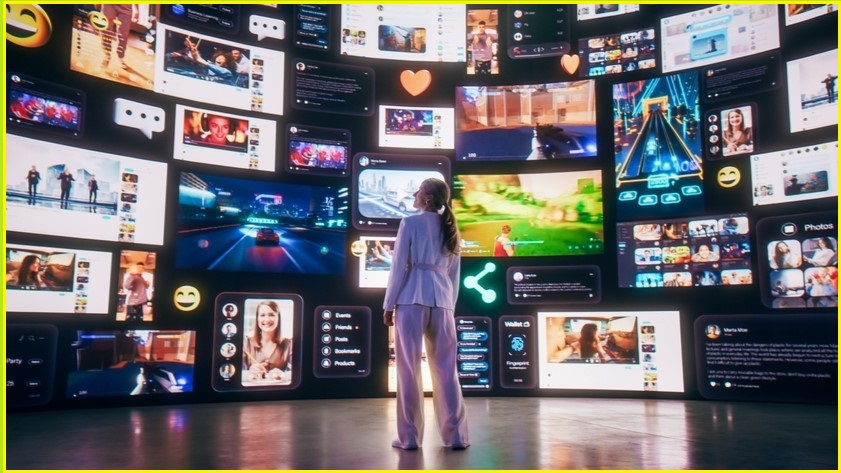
(257, 341)
(523, 123)
(730, 131)
(529, 214)
(618, 351)
(699, 251)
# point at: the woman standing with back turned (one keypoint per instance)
(419, 301)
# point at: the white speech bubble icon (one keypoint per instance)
(265, 27)
(144, 117)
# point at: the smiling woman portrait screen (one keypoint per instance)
(267, 355)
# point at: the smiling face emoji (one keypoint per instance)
(729, 176)
(98, 20)
(27, 25)
(186, 298)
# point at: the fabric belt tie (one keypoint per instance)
(431, 267)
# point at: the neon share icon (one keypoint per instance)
(472, 282)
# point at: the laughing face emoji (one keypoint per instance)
(729, 176)
(186, 298)
(27, 25)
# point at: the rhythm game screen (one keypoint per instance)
(658, 144)
(232, 224)
(547, 214)
(132, 363)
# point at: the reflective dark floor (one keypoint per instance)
(506, 433)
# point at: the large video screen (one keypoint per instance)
(658, 164)
(57, 280)
(620, 351)
(530, 214)
(526, 122)
(717, 34)
(419, 32)
(230, 224)
(385, 185)
(85, 193)
(699, 251)
(131, 363)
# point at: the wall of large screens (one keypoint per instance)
(641, 190)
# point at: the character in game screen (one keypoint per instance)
(419, 301)
(502, 244)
